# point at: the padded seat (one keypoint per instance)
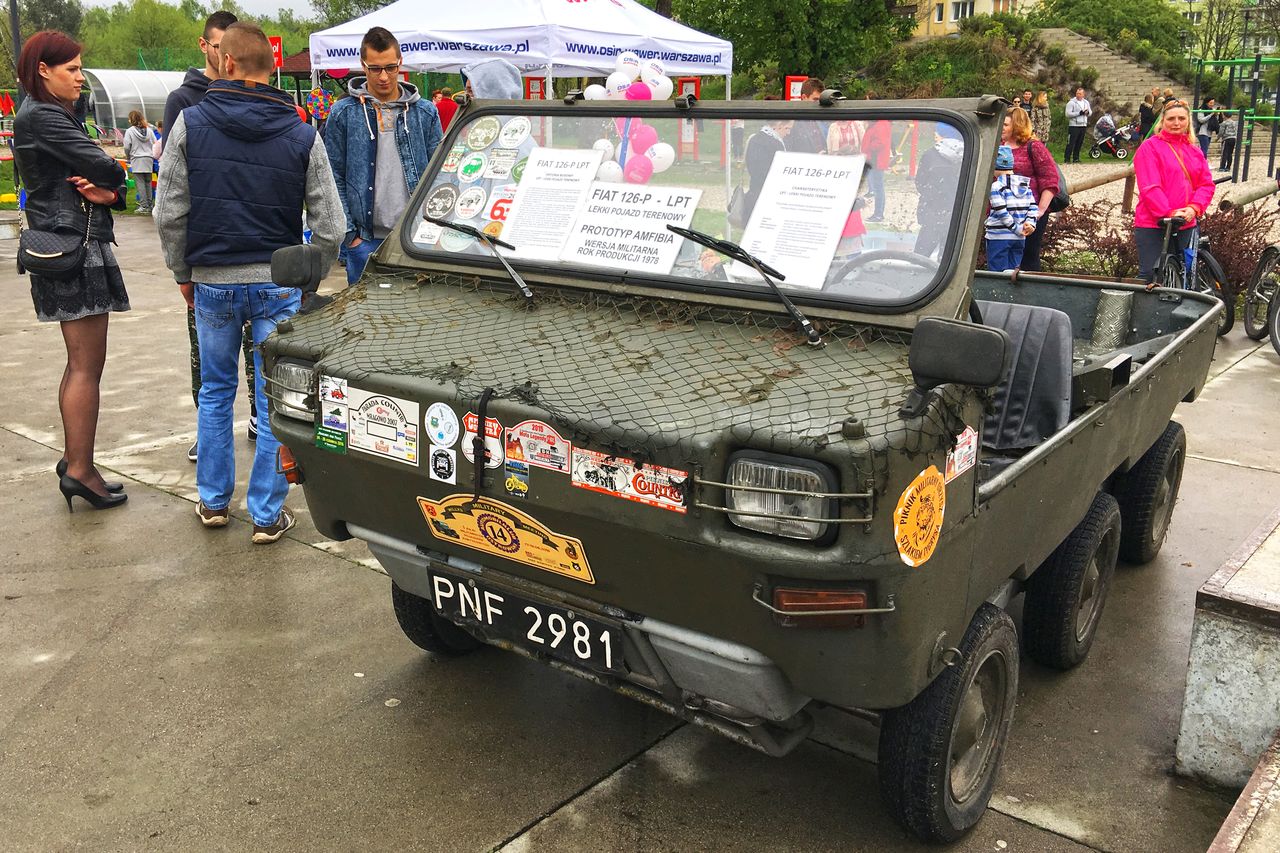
(1034, 400)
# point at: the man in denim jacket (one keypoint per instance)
(379, 141)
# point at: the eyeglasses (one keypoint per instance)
(379, 70)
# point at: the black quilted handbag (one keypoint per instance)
(54, 255)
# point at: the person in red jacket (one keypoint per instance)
(877, 145)
(447, 107)
(1173, 180)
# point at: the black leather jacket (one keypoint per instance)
(49, 147)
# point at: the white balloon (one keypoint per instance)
(628, 63)
(595, 92)
(610, 171)
(662, 87)
(617, 84)
(652, 68)
(662, 155)
(604, 145)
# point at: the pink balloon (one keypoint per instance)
(642, 139)
(639, 91)
(638, 170)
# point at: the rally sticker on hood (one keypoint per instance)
(500, 530)
(543, 446)
(472, 167)
(440, 201)
(514, 132)
(651, 485)
(917, 519)
(470, 203)
(453, 158)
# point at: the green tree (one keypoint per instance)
(815, 37)
(1154, 20)
(333, 12)
(37, 15)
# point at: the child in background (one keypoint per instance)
(1228, 132)
(1012, 216)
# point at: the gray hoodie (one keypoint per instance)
(494, 79)
(390, 193)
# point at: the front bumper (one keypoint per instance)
(725, 686)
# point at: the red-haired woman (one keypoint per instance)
(69, 178)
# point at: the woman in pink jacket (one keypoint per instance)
(1173, 180)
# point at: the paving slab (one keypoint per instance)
(1234, 420)
(696, 791)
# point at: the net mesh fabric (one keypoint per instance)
(632, 375)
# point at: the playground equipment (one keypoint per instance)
(1247, 116)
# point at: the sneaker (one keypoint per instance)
(267, 535)
(212, 517)
(253, 427)
(191, 451)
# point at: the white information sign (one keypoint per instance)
(624, 226)
(796, 223)
(553, 187)
(382, 425)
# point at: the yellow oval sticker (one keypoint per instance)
(917, 520)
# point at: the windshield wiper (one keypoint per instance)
(732, 250)
(492, 243)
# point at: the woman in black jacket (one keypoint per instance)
(71, 182)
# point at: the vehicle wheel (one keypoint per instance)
(1260, 293)
(1095, 152)
(1065, 596)
(426, 629)
(1146, 494)
(940, 753)
(1212, 280)
(1122, 153)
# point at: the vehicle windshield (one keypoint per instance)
(859, 211)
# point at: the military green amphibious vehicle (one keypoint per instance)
(744, 436)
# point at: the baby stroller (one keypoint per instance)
(1111, 139)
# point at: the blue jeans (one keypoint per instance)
(875, 182)
(1204, 144)
(357, 257)
(221, 312)
(1004, 254)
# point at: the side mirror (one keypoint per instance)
(957, 352)
(298, 266)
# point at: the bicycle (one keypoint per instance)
(1208, 274)
(1261, 293)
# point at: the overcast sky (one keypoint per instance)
(301, 8)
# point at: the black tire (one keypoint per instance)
(1169, 275)
(1095, 152)
(923, 764)
(1065, 596)
(1261, 293)
(426, 629)
(1122, 153)
(1147, 493)
(1212, 280)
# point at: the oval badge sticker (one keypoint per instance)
(917, 520)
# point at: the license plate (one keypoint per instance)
(543, 629)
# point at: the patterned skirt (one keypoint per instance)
(98, 289)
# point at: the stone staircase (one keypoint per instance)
(1123, 80)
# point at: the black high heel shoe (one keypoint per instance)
(61, 470)
(71, 487)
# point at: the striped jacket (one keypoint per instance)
(1012, 204)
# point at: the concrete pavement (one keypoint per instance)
(172, 688)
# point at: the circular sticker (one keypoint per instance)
(442, 425)
(517, 171)
(453, 241)
(514, 132)
(453, 158)
(493, 229)
(470, 203)
(443, 464)
(482, 133)
(472, 167)
(440, 201)
(917, 520)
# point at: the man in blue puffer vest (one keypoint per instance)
(239, 166)
(379, 141)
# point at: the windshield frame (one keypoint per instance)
(544, 271)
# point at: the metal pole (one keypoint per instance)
(1195, 97)
(1271, 159)
(1253, 103)
(1231, 86)
(17, 42)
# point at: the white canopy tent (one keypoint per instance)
(565, 38)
